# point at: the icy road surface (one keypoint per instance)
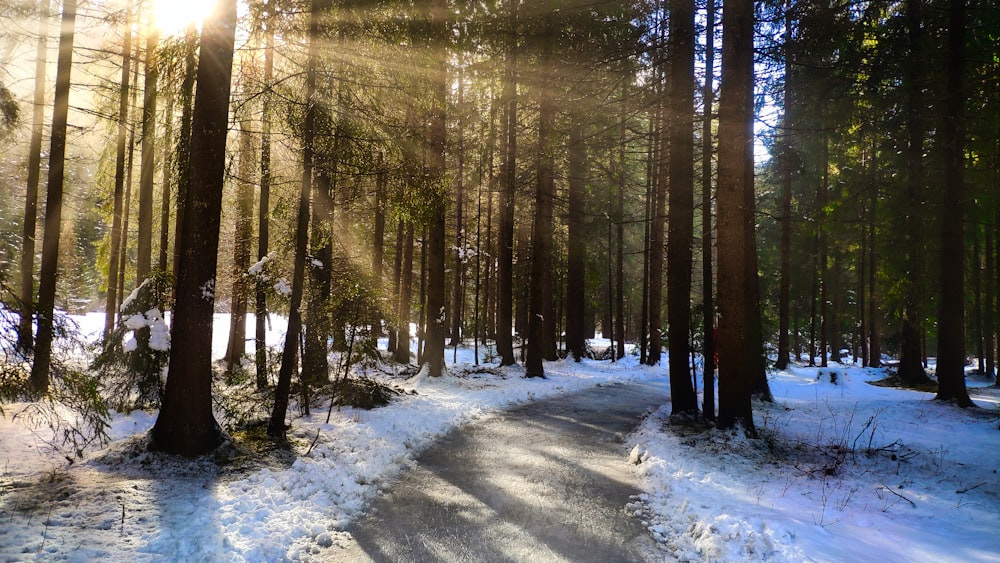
(547, 481)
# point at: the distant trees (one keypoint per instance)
(528, 171)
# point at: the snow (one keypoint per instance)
(831, 479)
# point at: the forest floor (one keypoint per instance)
(843, 470)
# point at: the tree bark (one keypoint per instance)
(436, 313)
(508, 184)
(735, 144)
(111, 302)
(242, 236)
(144, 241)
(405, 296)
(185, 424)
(787, 150)
(708, 286)
(53, 205)
(264, 209)
(576, 267)
(289, 354)
(25, 338)
(951, 314)
(681, 206)
(539, 309)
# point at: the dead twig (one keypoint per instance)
(886, 487)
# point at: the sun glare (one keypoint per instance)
(174, 16)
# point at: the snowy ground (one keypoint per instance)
(844, 472)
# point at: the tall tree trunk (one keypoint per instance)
(185, 424)
(787, 143)
(53, 205)
(434, 353)
(289, 355)
(184, 138)
(111, 303)
(378, 238)
(735, 144)
(25, 338)
(144, 241)
(395, 295)
(656, 237)
(620, 236)
(911, 369)
(576, 267)
(951, 314)
(989, 310)
(874, 341)
(458, 284)
(508, 185)
(405, 296)
(242, 236)
(822, 252)
(708, 287)
(264, 209)
(681, 205)
(168, 168)
(539, 309)
(977, 301)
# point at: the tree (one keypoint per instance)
(681, 204)
(708, 285)
(436, 137)
(951, 337)
(185, 424)
(911, 370)
(735, 147)
(289, 356)
(25, 340)
(508, 184)
(263, 214)
(144, 253)
(576, 267)
(53, 204)
(540, 315)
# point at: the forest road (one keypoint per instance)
(547, 481)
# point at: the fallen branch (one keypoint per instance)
(899, 495)
(967, 489)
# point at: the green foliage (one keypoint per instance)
(133, 358)
(74, 408)
(10, 112)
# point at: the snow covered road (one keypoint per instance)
(547, 481)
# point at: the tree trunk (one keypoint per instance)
(989, 309)
(111, 303)
(185, 424)
(458, 283)
(708, 288)
(786, 147)
(168, 168)
(508, 183)
(681, 205)
(951, 337)
(144, 241)
(434, 354)
(241, 248)
(184, 138)
(576, 267)
(264, 210)
(405, 296)
(25, 338)
(53, 205)
(395, 295)
(656, 240)
(539, 309)
(289, 354)
(735, 144)
(911, 370)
